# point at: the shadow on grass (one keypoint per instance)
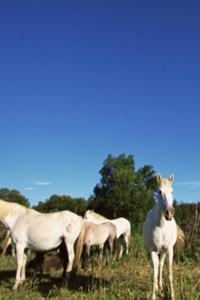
(84, 283)
(5, 275)
(47, 284)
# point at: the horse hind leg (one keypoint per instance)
(71, 255)
(63, 257)
(126, 242)
(85, 256)
(121, 247)
(122, 244)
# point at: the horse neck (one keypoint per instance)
(159, 216)
(10, 220)
(98, 217)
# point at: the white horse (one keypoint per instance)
(97, 235)
(160, 233)
(40, 232)
(123, 227)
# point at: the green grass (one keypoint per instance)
(129, 278)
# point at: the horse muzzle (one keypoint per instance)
(169, 214)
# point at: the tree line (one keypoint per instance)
(122, 191)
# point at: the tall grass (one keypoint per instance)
(127, 279)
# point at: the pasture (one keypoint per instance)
(128, 278)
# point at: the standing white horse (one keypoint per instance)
(40, 232)
(97, 235)
(123, 227)
(160, 233)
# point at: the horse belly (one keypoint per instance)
(95, 239)
(43, 245)
(43, 240)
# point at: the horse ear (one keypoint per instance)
(171, 178)
(159, 178)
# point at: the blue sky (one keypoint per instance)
(82, 79)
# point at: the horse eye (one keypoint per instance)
(159, 192)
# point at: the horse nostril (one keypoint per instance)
(167, 213)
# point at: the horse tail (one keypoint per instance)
(6, 242)
(79, 247)
(180, 242)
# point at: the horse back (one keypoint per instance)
(42, 231)
(123, 226)
(96, 234)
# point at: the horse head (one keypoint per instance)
(165, 196)
(88, 214)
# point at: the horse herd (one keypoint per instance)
(41, 232)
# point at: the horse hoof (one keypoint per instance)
(15, 287)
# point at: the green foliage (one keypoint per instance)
(13, 196)
(59, 203)
(188, 217)
(129, 278)
(122, 191)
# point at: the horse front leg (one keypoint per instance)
(170, 261)
(23, 273)
(155, 261)
(162, 259)
(20, 260)
(101, 253)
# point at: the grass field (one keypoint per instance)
(129, 278)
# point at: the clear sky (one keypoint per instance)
(82, 79)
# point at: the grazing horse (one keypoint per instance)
(97, 235)
(160, 233)
(41, 232)
(122, 225)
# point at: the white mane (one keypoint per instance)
(5, 209)
(96, 215)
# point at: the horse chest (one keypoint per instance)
(162, 238)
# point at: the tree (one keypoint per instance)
(59, 203)
(123, 192)
(13, 196)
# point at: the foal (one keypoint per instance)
(97, 235)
